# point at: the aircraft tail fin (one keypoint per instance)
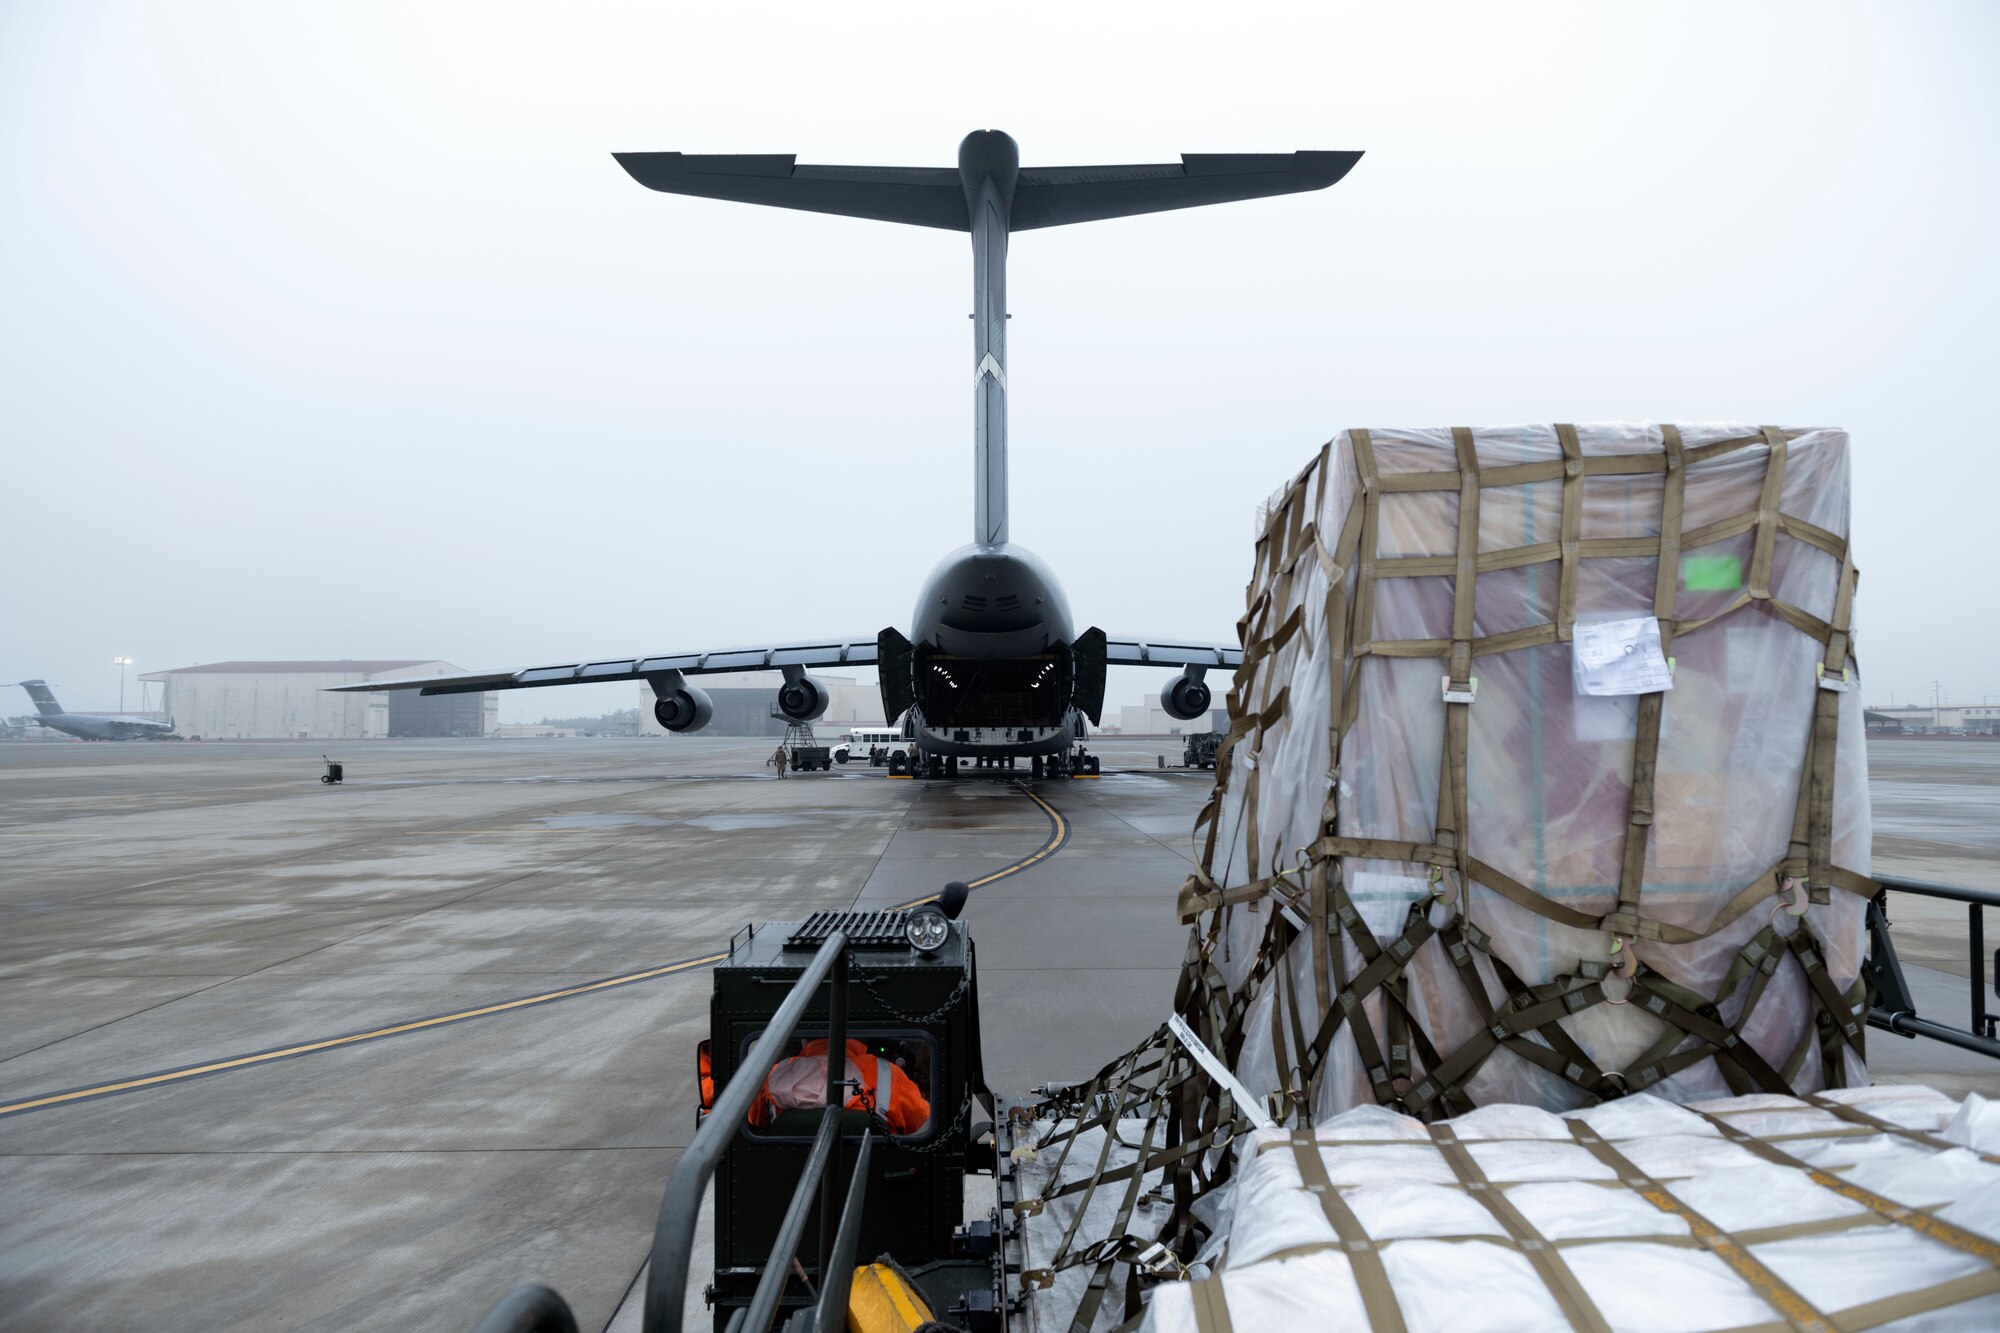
(990, 195)
(45, 699)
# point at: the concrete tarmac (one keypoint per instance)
(172, 907)
(367, 1056)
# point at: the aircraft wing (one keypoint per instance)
(1122, 651)
(852, 652)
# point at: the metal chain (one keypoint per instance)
(943, 1010)
(941, 1138)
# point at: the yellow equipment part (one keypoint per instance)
(883, 1301)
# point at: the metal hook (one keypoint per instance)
(1789, 905)
(1442, 894)
(1617, 984)
(1628, 966)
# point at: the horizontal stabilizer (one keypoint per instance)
(1056, 196)
(921, 196)
(936, 196)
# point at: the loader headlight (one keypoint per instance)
(927, 928)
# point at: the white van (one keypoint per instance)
(873, 745)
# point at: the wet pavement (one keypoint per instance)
(378, 1052)
(181, 918)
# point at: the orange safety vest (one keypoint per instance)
(801, 1084)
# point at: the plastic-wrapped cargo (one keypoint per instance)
(1864, 1208)
(1546, 781)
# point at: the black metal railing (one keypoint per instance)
(673, 1237)
(528, 1310)
(1895, 1010)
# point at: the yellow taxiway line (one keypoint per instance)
(1058, 835)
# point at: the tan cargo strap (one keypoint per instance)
(1795, 1309)
(1382, 965)
(1509, 1029)
(1384, 849)
(1093, 1295)
(1811, 954)
(1378, 1298)
(1211, 1307)
(1219, 1136)
(1729, 1046)
(1289, 1055)
(1854, 1115)
(1626, 923)
(1924, 1224)
(1572, 530)
(1869, 1314)
(1319, 884)
(1577, 1307)
(1646, 748)
(1767, 513)
(1522, 896)
(1562, 1056)
(1452, 811)
(1367, 544)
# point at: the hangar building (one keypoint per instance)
(287, 701)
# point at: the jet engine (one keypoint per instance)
(1185, 697)
(684, 709)
(801, 698)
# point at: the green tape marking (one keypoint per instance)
(1711, 573)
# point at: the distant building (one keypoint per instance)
(1920, 719)
(287, 701)
(744, 699)
(1879, 723)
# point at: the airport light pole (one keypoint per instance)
(122, 663)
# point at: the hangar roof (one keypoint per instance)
(343, 666)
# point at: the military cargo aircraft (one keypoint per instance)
(992, 668)
(90, 726)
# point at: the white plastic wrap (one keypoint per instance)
(1041, 1234)
(1453, 1269)
(1549, 769)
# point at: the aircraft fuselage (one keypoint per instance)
(993, 670)
(96, 727)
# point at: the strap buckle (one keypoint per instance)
(1461, 691)
(1839, 684)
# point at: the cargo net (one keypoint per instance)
(1535, 789)
(1857, 1209)
(1460, 852)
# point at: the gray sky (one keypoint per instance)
(334, 331)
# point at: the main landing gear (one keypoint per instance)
(1078, 763)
